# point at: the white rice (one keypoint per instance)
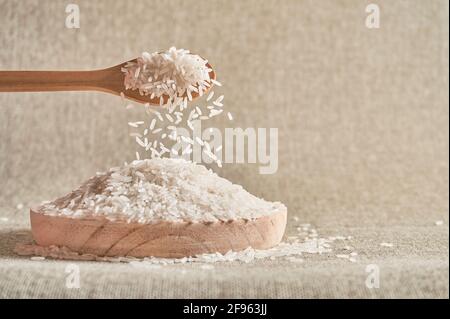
(172, 189)
(37, 258)
(175, 74)
(199, 141)
(140, 142)
(210, 96)
(215, 112)
(152, 124)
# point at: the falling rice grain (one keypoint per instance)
(152, 124)
(169, 117)
(210, 96)
(199, 141)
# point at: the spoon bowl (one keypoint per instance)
(113, 82)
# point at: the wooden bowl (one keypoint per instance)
(102, 237)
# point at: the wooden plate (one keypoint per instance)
(160, 239)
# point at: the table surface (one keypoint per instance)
(415, 267)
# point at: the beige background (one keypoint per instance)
(363, 135)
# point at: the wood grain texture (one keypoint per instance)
(160, 239)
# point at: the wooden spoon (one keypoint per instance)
(110, 80)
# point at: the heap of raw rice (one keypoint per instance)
(175, 73)
(156, 189)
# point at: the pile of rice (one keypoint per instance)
(149, 190)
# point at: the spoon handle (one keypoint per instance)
(34, 81)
